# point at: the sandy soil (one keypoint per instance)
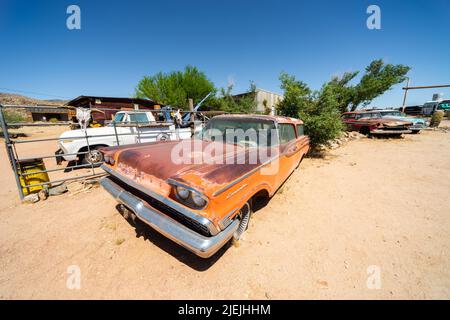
(372, 202)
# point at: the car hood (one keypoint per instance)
(412, 120)
(204, 165)
(386, 122)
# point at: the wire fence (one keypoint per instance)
(83, 158)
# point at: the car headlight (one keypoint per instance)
(198, 200)
(188, 196)
(183, 193)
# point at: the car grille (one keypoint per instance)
(167, 210)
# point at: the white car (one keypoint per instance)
(131, 127)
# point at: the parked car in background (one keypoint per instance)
(431, 107)
(412, 110)
(131, 127)
(417, 123)
(202, 204)
(373, 123)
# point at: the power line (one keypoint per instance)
(36, 93)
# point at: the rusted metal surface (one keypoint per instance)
(152, 162)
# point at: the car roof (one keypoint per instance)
(363, 111)
(279, 119)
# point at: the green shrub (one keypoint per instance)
(13, 116)
(318, 109)
(229, 103)
(436, 118)
(53, 120)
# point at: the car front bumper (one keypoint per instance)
(417, 127)
(201, 245)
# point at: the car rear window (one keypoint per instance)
(138, 117)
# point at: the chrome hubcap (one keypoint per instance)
(94, 156)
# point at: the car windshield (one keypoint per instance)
(118, 117)
(246, 132)
(369, 115)
(393, 114)
(444, 105)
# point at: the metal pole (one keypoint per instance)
(115, 132)
(89, 149)
(138, 133)
(404, 96)
(192, 117)
(10, 152)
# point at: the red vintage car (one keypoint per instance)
(372, 123)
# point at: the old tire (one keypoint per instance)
(244, 216)
(93, 157)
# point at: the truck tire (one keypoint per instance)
(93, 157)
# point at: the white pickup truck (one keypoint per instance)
(131, 127)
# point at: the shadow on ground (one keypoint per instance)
(181, 254)
(175, 250)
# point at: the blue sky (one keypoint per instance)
(121, 41)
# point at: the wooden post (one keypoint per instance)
(404, 96)
(191, 109)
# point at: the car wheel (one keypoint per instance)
(93, 157)
(415, 131)
(244, 216)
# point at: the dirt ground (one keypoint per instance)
(373, 203)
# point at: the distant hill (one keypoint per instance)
(9, 98)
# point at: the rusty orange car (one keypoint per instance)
(201, 192)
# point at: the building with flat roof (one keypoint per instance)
(266, 101)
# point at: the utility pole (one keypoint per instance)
(406, 93)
